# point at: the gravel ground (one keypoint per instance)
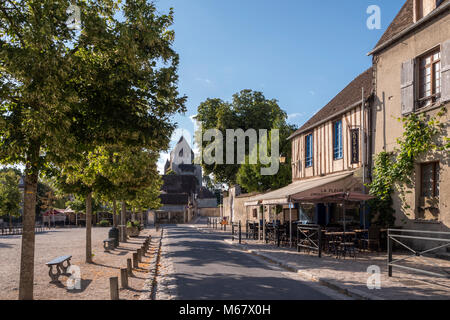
(95, 277)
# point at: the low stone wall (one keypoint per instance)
(209, 212)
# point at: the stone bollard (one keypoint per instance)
(135, 260)
(114, 288)
(129, 267)
(124, 277)
(139, 255)
(143, 250)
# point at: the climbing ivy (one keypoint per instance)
(393, 170)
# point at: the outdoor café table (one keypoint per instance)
(256, 231)
(341, 233)
(253, 230)
(334, 239)
(361, 237)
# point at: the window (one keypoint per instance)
(337, 140)
(425, 7)
(180, 154)
(429, 78)
(429, 180)
(309, 151)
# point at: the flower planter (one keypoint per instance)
(133, 231)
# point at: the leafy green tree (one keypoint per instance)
(63, 93)
(248, 110)
(113, 172)
(249, 176)
(10, 195)
(33, 69)
(148, 198)
(133, 177)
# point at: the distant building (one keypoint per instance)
(182, 194)
(206, 203)
(181, 161)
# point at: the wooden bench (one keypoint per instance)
(109, 244)
(60, 268)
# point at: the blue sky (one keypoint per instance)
(300, 52)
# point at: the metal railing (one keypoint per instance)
(309, 237)
(18, 230)
(214, 222)
(236, 228)
(399, 235)
(252, 230)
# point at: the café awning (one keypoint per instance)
(309, 187)
(53, 212)
(334, 197)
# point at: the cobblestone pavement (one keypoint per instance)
(350, 275)
(95, 277)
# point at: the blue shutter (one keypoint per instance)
(337, 147)
(309, 150)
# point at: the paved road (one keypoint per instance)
(208, 268)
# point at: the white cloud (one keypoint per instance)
(295, 115)
(205, 80)
(312, 92)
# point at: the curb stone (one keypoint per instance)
(149, 286)
(166, 286)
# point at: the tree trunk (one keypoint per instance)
(26, 281)
(10, 221)
(133, 214)
(123, 222)
(89, 228)
(114, 214)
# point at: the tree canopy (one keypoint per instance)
(247, 110)
(10, 195)
(63, 93)
(249, 176)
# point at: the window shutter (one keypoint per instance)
(445, 71)
(407, 87)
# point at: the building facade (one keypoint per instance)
(411, 64)
(334, 142)
(182, 195)
(181, 161)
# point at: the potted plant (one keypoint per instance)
(133, 228)
(103, 223)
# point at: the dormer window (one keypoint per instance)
(424, 7)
